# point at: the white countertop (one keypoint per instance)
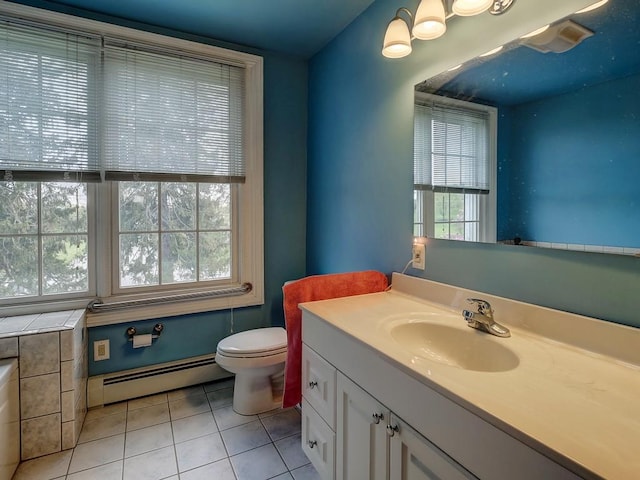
(563, 400)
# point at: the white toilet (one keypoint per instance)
(257, 358)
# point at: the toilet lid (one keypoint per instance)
(257, 342)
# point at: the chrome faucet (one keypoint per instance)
(483, 318)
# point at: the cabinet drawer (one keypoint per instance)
(318, 442)
(319, 385)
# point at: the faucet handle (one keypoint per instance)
(483, 306)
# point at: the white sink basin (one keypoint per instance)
(467, 349)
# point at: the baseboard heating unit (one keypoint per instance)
(138, 382)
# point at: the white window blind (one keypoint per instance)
(48, 103)
(171, 117)
(451, 149)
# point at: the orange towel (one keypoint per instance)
(317, 287)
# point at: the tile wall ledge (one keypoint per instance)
(40, 323)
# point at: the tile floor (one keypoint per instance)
(186, 434)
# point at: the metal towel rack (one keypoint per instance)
(98, 306)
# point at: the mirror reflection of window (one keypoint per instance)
(454, 169)
(569, 124)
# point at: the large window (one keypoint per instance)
(454, 169)
(130, 166)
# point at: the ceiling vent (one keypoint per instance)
(558, 38)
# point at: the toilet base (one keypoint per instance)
(253, 394)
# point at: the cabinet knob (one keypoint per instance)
(377, 417)
(313, 384)
(392, 429)
(312, 443)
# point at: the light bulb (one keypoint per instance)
(593, 6)
(492, 52)
(466, 8)
(397, 39)
(536, 32)
(430, 20)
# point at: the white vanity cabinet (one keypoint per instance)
(352, 393)
(348, 435)
(372, 442)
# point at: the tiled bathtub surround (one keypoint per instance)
(51, 349)
(190, 434)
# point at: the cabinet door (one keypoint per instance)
(361, 438)
(319, 384)
(413, 457)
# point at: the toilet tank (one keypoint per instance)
(9, 418)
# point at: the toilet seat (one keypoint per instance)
(262, 342)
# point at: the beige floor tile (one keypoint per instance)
(200, 451)
(227, 418)
(283, 424)
(259, 463)
(192, 427)
(112, 409)
(96, 453)
(245, 437)
(220, 470)
(308, 472)
(42, 468)
(219, 384)
(185, 392)
(103, 427)
(220, 398)
(188, 406)
(147, 401)
(147, 416)
(290, 449)
(110, 471)
(153, 465)
(147, 439)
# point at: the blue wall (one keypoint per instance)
(360, 189)
(285, 132)
(573, 161)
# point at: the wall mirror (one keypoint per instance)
(568, 141)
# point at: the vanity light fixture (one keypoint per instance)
(536, 32)
(492, 52)
(593, 6)
(468, 8)
(429, 21)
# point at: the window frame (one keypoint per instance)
(487, 203)
(186, 287)
(52, 302)
(249, 205)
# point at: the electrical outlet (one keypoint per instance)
(100, 350)
(418, 256)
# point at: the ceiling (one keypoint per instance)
(296, 27)
(520, 74)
